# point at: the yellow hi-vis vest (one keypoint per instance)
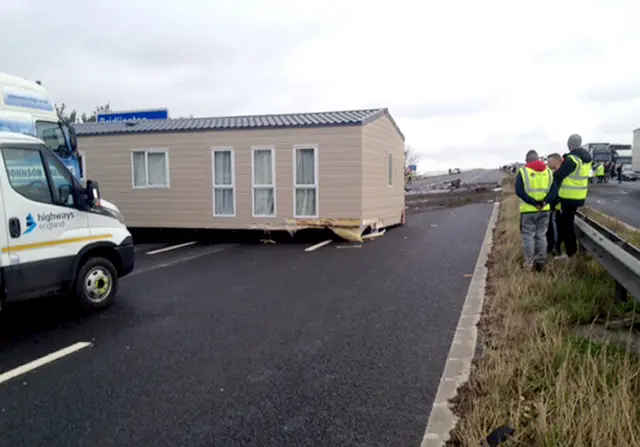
(536, 185)
(576, 184)
(600, 171)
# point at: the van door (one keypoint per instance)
(45, 229)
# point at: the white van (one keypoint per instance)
(57, 238)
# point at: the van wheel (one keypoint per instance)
(96, 283)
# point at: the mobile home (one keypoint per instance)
(277, 172)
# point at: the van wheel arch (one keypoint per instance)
(106, 250)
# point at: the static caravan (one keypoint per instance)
(341, 170)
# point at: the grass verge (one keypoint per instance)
(554, 387)
(627, 232)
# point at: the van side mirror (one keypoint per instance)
(93, 192)
(65, 193)
(73, 139)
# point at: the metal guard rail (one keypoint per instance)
(617, 256)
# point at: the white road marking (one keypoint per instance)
(11, 374)
(320, 245)
(177, 261)
(172, 247)
(463, 346)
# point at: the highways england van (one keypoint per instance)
(57, 238)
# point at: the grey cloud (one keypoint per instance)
(440, 109)
(569, 52)
(499, 145)
(618, 119)
(613, 92)
(203, 60)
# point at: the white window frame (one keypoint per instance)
(315, 178)
(232, 186)
(272, 149)
(146, 166)
(389, 177)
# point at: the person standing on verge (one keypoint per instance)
(554, 244)
(572, 178)
(619, 171)
(536, 189)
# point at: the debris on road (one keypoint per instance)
(319, 245)
(500, 435)
(417, 203)
(348, 229)
(374, 235)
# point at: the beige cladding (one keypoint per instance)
(352, 174)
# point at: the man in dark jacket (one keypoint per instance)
(572, 178)
(554, 244)
(619, 171)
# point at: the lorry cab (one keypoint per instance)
(57, 238)
(25, 107)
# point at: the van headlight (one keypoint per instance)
(115, 214)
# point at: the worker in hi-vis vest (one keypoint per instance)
(554, 244)
(536, 189)
(572, 178)
(600, 172)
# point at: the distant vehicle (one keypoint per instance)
(600, 152)
(622, 153)
(454, 171)
(628, 173)
(26, 108)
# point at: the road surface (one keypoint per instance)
(251, 345)
(620, 201)
(470, 177)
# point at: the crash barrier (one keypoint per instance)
(617, 256)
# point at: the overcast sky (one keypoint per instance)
(470, 83)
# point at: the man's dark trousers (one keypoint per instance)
(554, 243)
(566, 229)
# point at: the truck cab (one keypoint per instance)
(25, 107)
(57, 238)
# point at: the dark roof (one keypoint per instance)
(290, 120)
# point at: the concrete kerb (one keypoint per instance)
(463, 347)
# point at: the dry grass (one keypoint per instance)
(553, 387)
(628, 233)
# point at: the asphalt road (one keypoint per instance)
(620, 201)
(251, 345)
(470, 177)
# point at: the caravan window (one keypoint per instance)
(264, 182)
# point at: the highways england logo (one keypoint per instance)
(47, 221)
(30, 223)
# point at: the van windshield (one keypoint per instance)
(52, 135)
